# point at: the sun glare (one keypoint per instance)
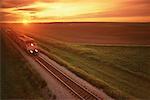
(73, 10)
(66, 9)
(25, 21)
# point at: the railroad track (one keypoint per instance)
(78, 90)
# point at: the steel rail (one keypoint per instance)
(78, 90)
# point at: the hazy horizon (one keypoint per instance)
(27, 11)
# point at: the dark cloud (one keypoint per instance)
(5, 13)
(137, 2)
(5, 16)
(29, 9)
(15, 3)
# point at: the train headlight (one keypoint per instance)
(32, 44)
(31, 51)
(36, 50)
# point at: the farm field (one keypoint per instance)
(121, 71)
(93, 33)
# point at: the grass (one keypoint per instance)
(123, 72)
(18, 79)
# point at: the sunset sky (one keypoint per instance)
(75, 10)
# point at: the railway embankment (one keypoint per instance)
(19, 79)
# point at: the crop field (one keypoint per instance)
(93, 33)
(121, 71)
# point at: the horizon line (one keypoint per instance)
(78, 22)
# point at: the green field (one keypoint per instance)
(122, 71)
(17, 80)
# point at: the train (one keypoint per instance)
(26, 43)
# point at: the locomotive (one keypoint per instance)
(28, 44)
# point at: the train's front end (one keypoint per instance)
(32, 48)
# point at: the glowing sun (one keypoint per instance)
(25, 21)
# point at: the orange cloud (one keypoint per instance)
(75, 10)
